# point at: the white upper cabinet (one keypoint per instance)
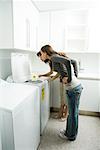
(51, 29)
(57, 30)
(69, 30)
(25, 24)
(72, 30)
(6, 24)
(94, 30)
(76, 30)
(19, 25)
(44, 29)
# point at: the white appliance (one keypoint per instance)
(44, 88)
(19, 117)
(44, 91)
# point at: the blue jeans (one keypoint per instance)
(73, 97)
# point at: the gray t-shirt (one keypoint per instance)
(62, 65)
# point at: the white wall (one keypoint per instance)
(90, 62)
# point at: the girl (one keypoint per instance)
(62, 65)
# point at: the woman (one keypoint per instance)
(63, 111)
(62, 65)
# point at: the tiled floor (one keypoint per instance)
(88, 136)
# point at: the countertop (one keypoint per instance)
(90, 76)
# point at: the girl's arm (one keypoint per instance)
(54, 77)
(74, 63)
(46, 74)
(49, 73)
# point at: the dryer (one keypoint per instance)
(19, 117)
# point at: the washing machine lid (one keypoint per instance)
(12, 94)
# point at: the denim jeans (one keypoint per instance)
(73, 97)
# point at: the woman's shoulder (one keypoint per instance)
(57, 56)
(53, 57)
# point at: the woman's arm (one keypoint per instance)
(50, 72)
(46, 74)
(54, 77)
(74, 63)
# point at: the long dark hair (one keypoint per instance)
(45, 61)
(48, 49)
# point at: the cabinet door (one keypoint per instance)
(94, 30)
(56, 93)
(90, 97)
(32, 30)
(44, 29)
(6, 30)
(76, 31)
(25, 18)
(19, 19)
(57, 30)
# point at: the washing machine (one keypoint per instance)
(19, 117)
(44, 90)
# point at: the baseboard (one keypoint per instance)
(89, 113)
(81, 112)
(53, 109)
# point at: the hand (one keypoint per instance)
(39, 75)
(51, 78)
(64, 80)
(62, 54)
